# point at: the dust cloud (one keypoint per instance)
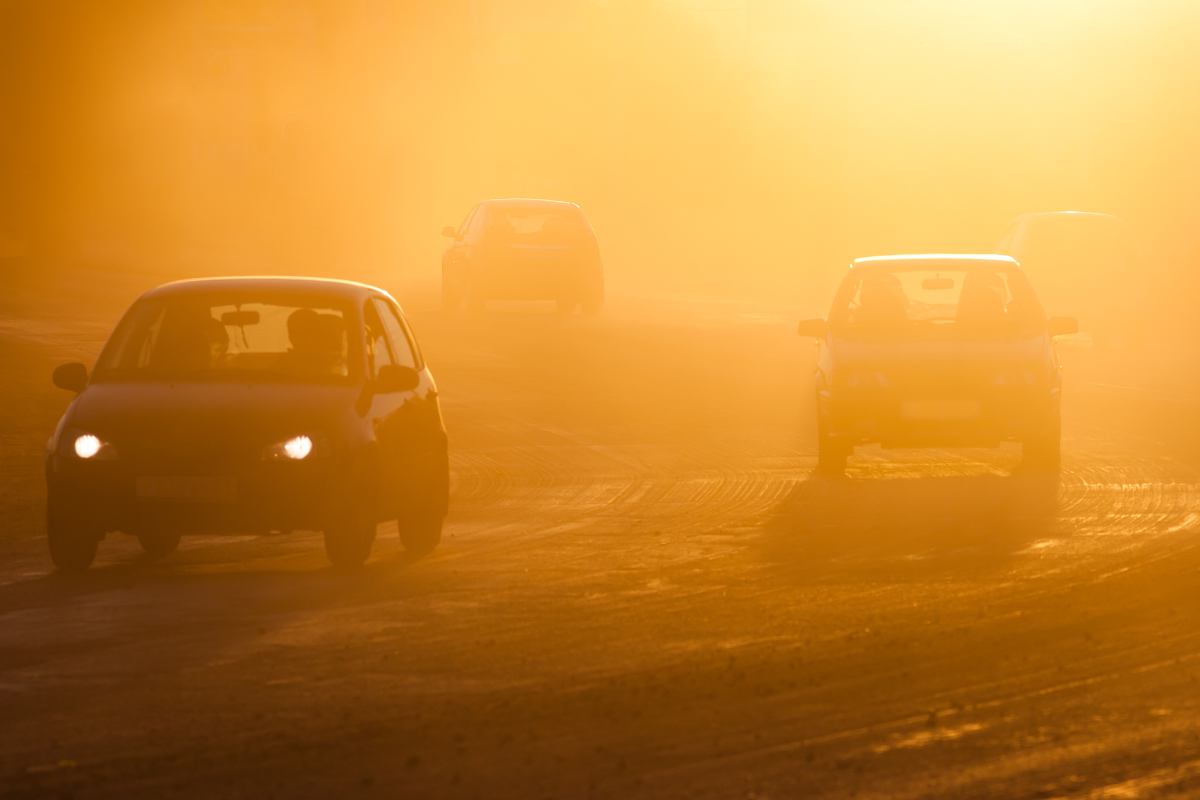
(750, 146)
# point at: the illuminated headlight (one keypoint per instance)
(89, 447)
(296, 448)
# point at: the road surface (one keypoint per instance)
(643, 592)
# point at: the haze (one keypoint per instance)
(645, 586)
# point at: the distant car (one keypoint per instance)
(1082, 261)
(937, 351)
(522, 249)
(232, 405)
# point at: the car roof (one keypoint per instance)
(957, 259)
(528, 202)
(1067, 214)
(329, 287)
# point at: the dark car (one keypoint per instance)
(937, 351)
(1075, 259)
(233, 405)
(522, 249)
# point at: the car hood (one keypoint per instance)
(184, 412)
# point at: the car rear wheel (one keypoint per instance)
(1042, 452)
(832, 453)
(452, 293)
(72, 541)
(159, 544)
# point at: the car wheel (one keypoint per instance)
(420, 533)
(452, 293)
(476, 301)
(159, 544)
(592, 304)
(832, 453)
(72, 543)
(1042, 452)
(421, 528)
(348, 544)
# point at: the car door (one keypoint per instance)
(389, 412)
(409, 429)
(456, 256)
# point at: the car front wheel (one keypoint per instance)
(72, 541)
(348, 544)
(159, 544)
(420, 533)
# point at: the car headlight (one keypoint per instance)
(88, 447)
(297, 448)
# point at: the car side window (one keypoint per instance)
(478, 221)
(401, 345)
(375, 338)
(466, 224)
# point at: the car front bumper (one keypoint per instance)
(249, 499)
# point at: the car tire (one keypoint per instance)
(832, 453)
(72, 543)
(421, 529)
(348, 544)
(592, 303)
(159, 544)
(1042, 452)
(452, 293)
(420, 533)
(476, 302)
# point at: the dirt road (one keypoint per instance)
(643, 592)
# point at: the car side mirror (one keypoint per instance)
(815, 328)
(450, 232)
(72, 377)
(1063, 326)
(396, 378)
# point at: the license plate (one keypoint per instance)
(187, 489)
(933, 410)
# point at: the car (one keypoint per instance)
(1075, 259)
(523, 249)
(937, 350)
(244, 405)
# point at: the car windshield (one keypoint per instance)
(541, 225)
(924, 301)
(234, 336)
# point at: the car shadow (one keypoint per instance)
(293, 580)
(905, 527)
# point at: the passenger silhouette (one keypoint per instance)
(981, 303)
(882, 301)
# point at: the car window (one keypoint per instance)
(466, 223)
(933, 301)
(538, 225)
(229, 336)
(379, 354)
(479, 221)
(398, 339)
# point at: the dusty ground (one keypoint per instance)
(643, 593)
